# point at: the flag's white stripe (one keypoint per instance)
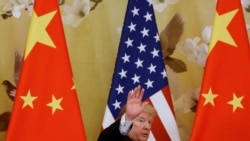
(151, 137)
(108, 118)
(166, 115)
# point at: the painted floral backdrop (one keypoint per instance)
(92, 29)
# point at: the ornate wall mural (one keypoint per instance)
(92, 29)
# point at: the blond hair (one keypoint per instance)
(150, 109)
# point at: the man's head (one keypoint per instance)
(142, 124)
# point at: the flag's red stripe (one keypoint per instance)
(158, 129)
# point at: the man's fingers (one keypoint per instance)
(141, 94)
(137, 91)
(129, 95)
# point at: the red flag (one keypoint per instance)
(223, 108)
(46, 107)
(140, 62)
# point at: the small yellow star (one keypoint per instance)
(236, 102)
(209, 97)
(55, 104)
(38, 33)
(220, 31)
(28, 100)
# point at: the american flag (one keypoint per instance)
(140, 62)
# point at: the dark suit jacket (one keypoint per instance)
(112, 133)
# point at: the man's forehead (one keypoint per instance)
(145, 115)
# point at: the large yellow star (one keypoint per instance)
(28, 100)
(38, 33)
(209, 97)
(55, 104)
(220, 31)
(236, 102)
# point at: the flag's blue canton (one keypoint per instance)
(139, 60)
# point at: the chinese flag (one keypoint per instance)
(46, 107)
(223, 108)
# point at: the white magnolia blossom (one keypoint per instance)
(76, 12)
(245, 3)
(160, 5)
(206, 34)
(16, 11)
(16, 6)
(193, 51)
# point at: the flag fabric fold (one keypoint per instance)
(46, 106)
(223, 107)
(140, 62)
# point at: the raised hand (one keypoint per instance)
(134, 104)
